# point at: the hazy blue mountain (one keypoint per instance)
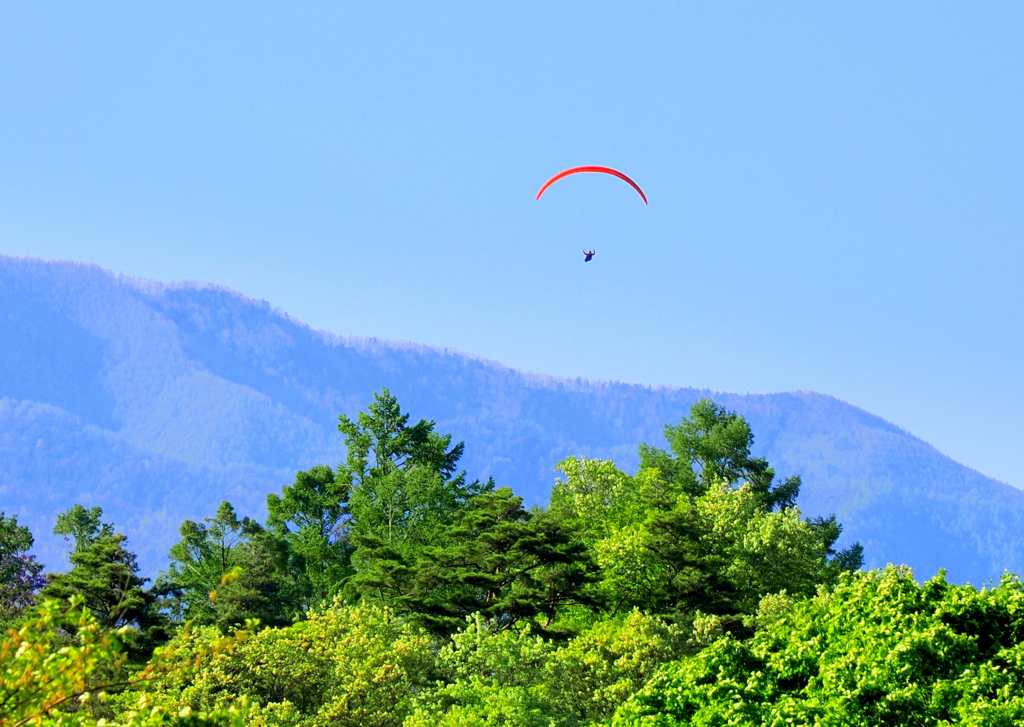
(157, 402)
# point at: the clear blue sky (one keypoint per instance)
(836, 190)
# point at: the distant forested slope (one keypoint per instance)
(157, 402)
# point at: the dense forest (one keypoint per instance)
(391, 590)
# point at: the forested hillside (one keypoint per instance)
(393, 591)
(158, 402)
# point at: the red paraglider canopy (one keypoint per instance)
(601, 170)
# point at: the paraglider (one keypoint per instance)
(588, 255)
(600, 170)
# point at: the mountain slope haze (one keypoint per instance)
(157, 401)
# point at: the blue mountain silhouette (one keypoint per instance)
(157, 402)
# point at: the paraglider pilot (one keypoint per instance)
(587, 255)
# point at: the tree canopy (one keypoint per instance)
(392, 591)
(878, 649)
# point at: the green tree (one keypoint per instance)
(262, 591)
(103, 572)
(671, 538)
(206, 552)
(20, 573)
(498, 560)
(381, 441)
(592, 674)
(714, 445)
(311, 517)
(261, 586)
(105, 575)
(711, 446)
(404, 492)
(496, 676)
(849, 558)
(80, 527)
(718, 552)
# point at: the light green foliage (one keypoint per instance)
(493, 677)
(772, 608)
(878, 650)
(599, 497)
(477, 702)
(629, 573)
(718, 552)
(705, 630)
(609, 511)
(377, 661)
(766, 552)
(518, 678)
(344, 666)
(484, 650)
(595, 672)
(81, 527)
(49, 681)
(713, 446)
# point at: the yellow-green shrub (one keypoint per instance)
(352, 666)
(58, 666)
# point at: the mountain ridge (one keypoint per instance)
(166, 398)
